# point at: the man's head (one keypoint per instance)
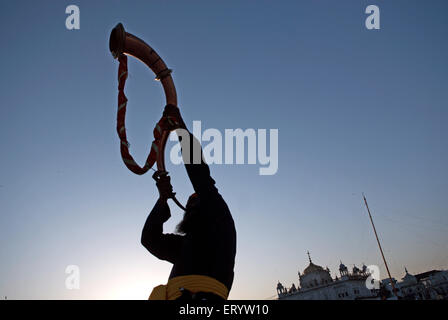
(190, 220)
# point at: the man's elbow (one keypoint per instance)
(143, 241)
(151, 244)
(146, 241)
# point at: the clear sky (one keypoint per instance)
(357, 111)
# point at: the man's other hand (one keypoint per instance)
(163, 183)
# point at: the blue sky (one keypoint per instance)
(357, 111)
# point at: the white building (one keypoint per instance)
(316, 283)
(410, 287)
(431, 285)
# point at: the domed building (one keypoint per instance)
(314, 275)
(410, 288)
(408, 278)
(316, 283)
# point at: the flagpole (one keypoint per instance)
(379, 245)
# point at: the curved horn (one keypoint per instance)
(122, 42)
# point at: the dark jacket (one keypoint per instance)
(208, 251)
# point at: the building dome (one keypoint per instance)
(409, 279)
(314, 276)
(312, 268)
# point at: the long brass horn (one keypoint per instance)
(122, 42)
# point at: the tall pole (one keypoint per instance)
(379, 245)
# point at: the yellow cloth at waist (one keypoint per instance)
(192, 283)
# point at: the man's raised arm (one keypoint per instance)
(197, 169)
(163, 246)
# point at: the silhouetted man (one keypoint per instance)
(203, 250)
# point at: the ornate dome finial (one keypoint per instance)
(309, 257)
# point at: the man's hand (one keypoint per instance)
(163, 183)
